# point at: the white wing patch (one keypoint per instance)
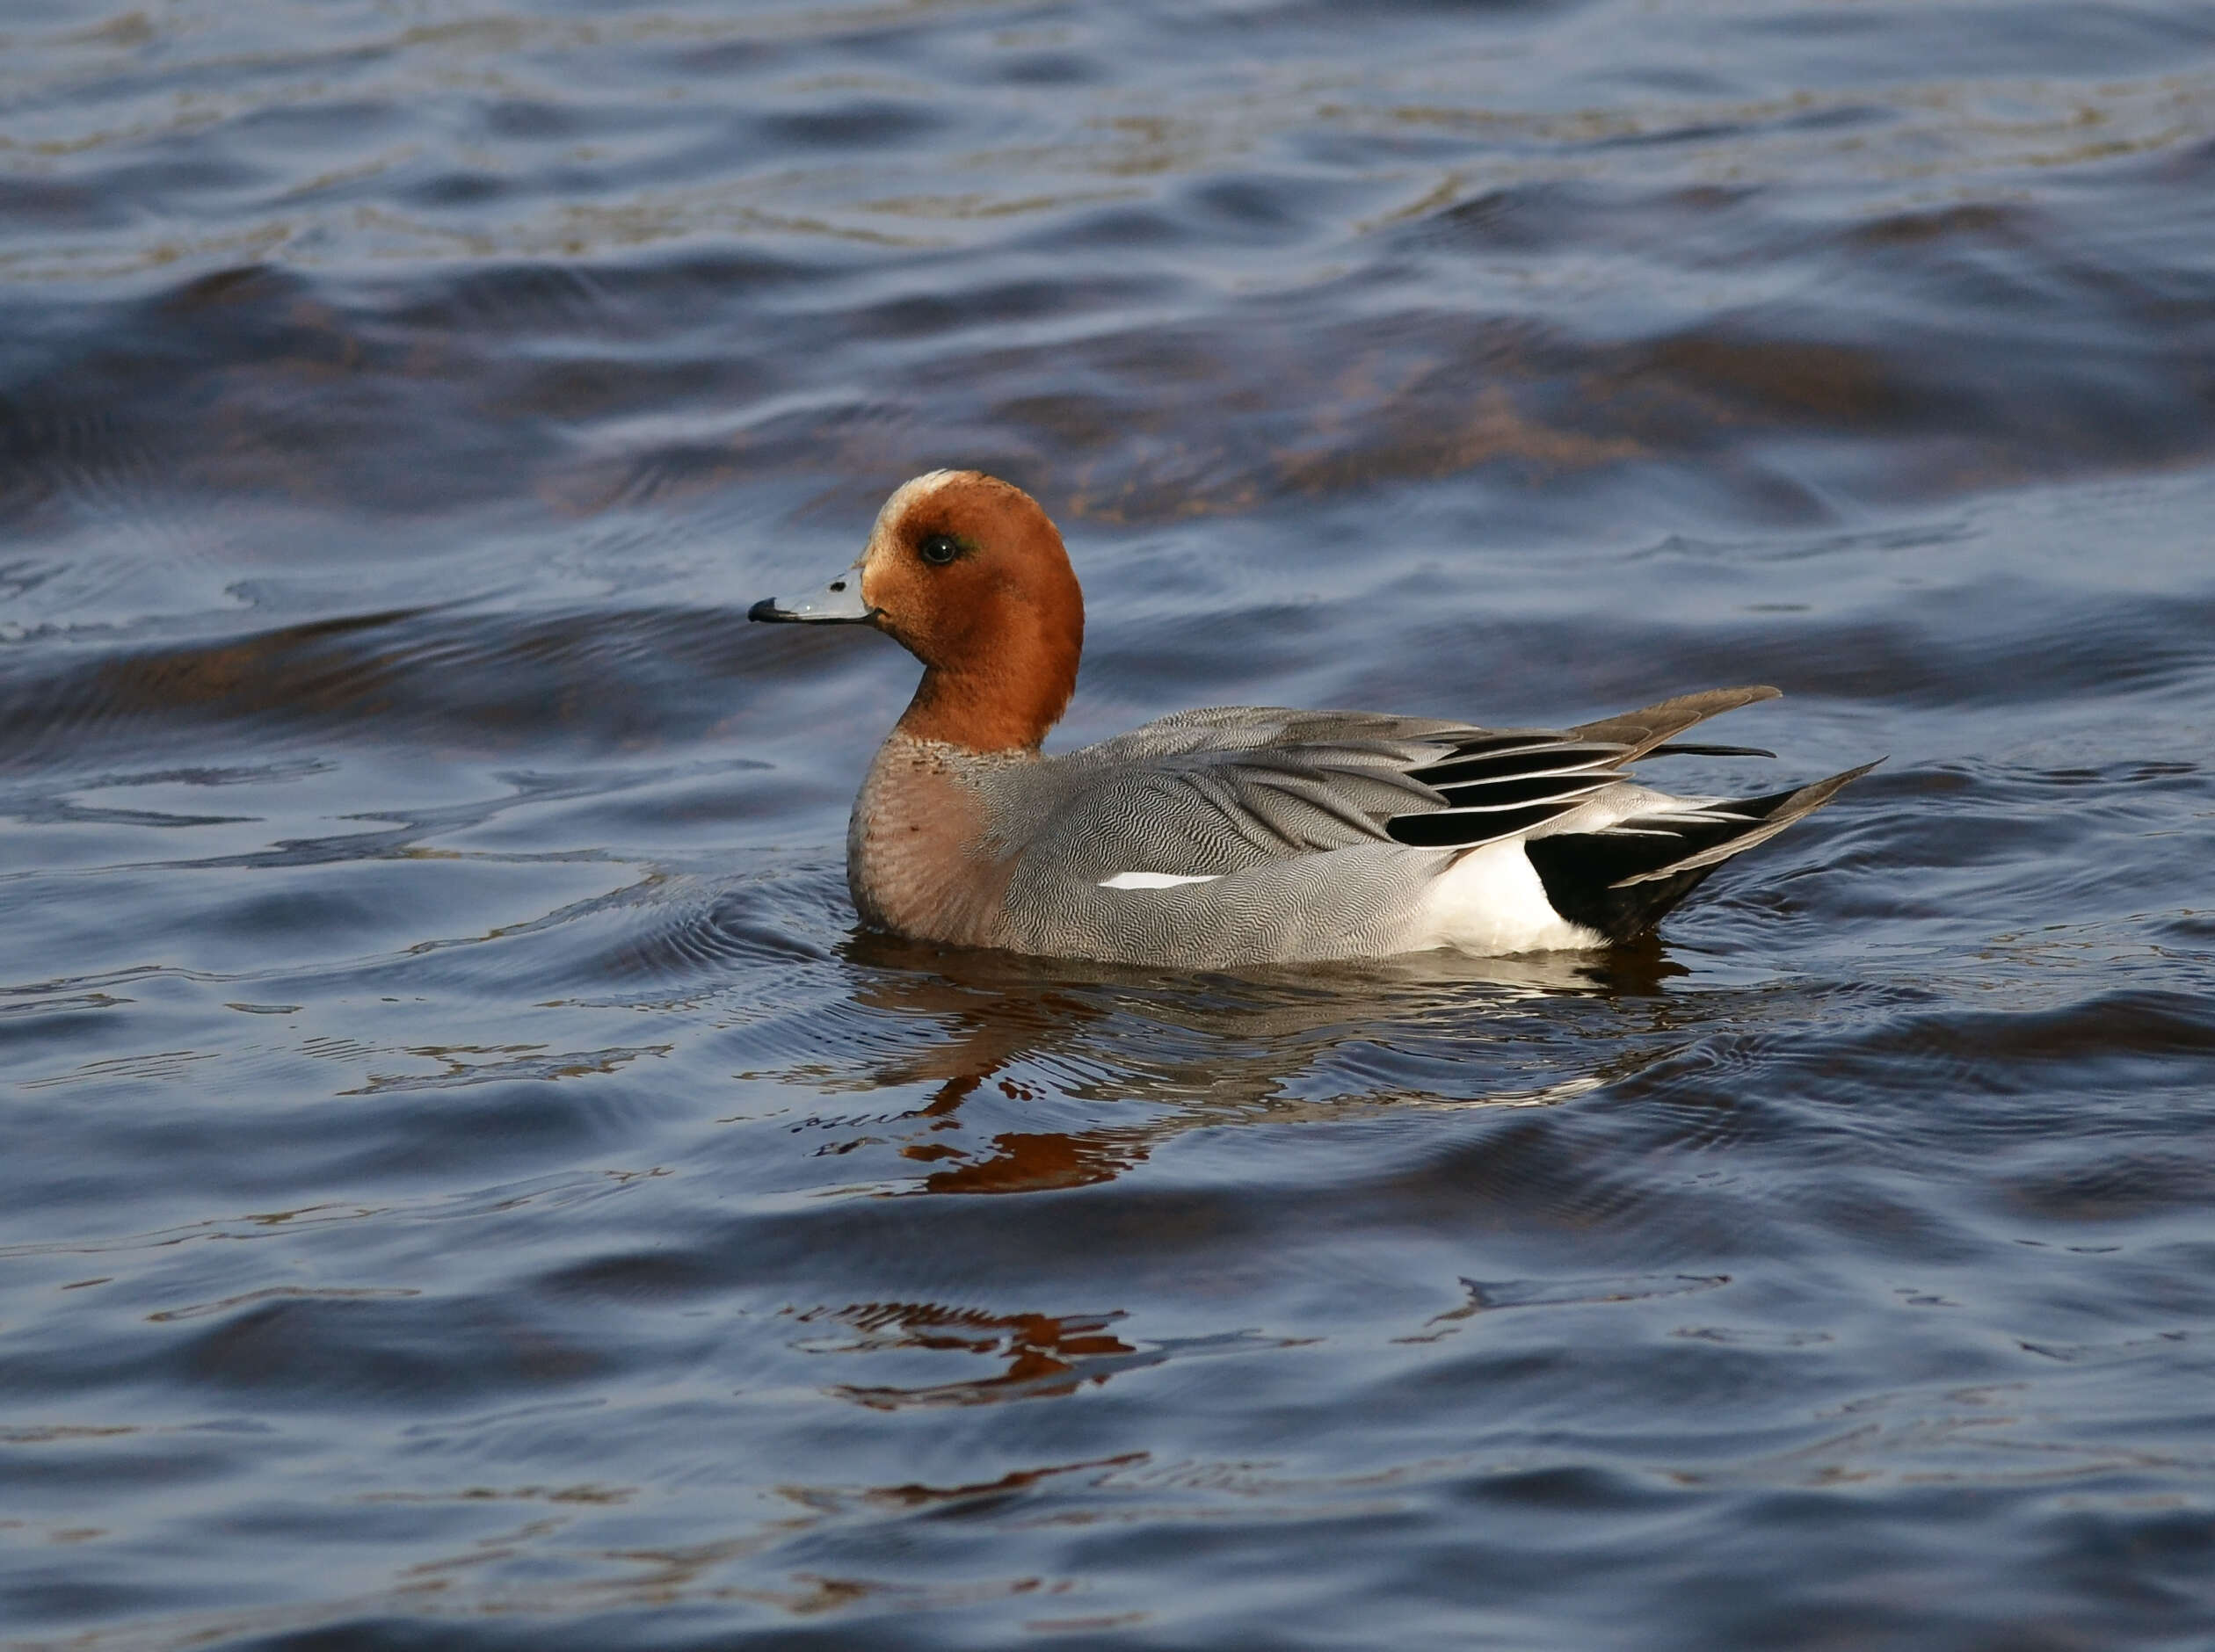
(1156, 880)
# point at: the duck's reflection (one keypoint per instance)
(1038, 1355)
(1176, 1052)
(1025, 1161)
(1020, 1355)
(1039, 1077)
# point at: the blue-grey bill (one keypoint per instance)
(838, 603)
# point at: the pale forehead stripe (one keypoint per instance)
(912, 492)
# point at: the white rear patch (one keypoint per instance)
(1156, 880)
(1490, 902)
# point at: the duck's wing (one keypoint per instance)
(1205, 794)
(1208, 793)
(1511, 782)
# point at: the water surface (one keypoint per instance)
(466, 1182)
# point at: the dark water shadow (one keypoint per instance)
(1196, 1051)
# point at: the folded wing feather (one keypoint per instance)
(1208, 793)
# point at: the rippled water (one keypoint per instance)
(466, 1183)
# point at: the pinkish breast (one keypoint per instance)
(917, 862)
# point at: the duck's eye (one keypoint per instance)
(939, 549)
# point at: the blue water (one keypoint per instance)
(466, 1181)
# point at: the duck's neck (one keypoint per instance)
(1003, 704)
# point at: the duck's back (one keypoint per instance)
(1231, 835)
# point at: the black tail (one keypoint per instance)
(1621, 881)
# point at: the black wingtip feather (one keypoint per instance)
(1682, 748)
(1471, 829)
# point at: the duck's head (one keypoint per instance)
(969, 574)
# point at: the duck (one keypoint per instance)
(1236, 836)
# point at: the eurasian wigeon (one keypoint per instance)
(1237, 834)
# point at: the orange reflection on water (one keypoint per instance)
(1024, 1162)
(1039, 1355)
